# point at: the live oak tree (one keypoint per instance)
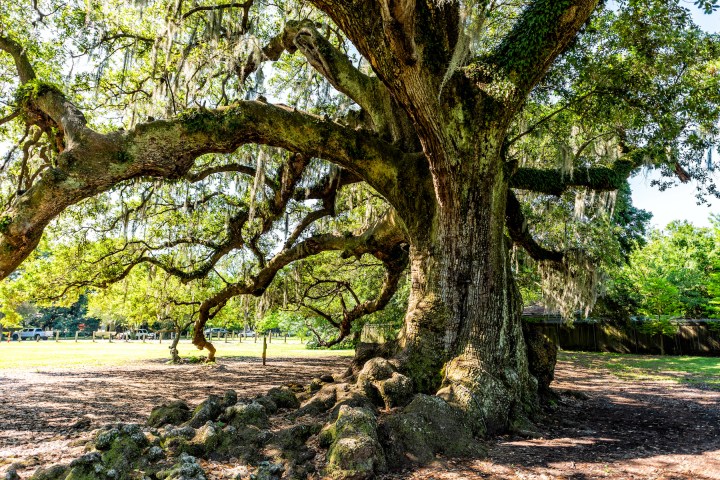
(439, 106)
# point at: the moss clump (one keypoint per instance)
(428, 425)
(230, 398)
(55, 472)
(5, 222)
(197, 120)
(396, 391)
(542, 356)
(177, 442)
(251, 414)
(269, 404)
(283, 397)
(321, 402)
(123, 157)
(354, 450)
(243, 443)
(187, 468)
(208, 410)
(268, 471)
(124, 454)
(173, 413)
(32, 90)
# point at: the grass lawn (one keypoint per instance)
(85, 353)
(698, 371)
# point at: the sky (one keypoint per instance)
(680, 202)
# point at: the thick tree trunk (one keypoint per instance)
(462, 336)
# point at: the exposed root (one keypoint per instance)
(364, 428)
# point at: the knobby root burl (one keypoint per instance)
(361, 425)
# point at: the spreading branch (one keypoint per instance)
(91, 163)
(22, 63)
(384, 240)
(385, 117)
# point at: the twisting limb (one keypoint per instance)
(91, 163)
(384, 240)
(10, 117)
(22, 63)
(222, 6)
(520, 234)
(542, 33)
(393, 273)
(233, 167)
(337, 179)
(369, 93)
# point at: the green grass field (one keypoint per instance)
(698, 371)
(85, 353)
(703, 371)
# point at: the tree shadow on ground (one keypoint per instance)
(52, 402)
(604, 427)
(613, 421)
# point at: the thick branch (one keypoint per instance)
(233, 167)
(384, 240)
(92, 163)
(24, 68)
(368, 92)
(222, 6)
(520, 234)
(540, 35)
(554, 182)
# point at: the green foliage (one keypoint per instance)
(68, 319)
(709, 6)
(605, 227)
(5, 222)
(641, 75)
(33, 89)
(641, 79)
(658, 326)
(671, 276)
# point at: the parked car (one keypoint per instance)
(215, 332)
(146, 334)
(249, 333)
(34, 333)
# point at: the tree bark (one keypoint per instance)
(462, 336)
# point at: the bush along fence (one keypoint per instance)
(658, 337)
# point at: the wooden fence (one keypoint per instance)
(693, 337)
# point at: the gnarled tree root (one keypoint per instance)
(367, 427)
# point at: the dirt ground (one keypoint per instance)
(603, 427)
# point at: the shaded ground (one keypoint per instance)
(607, 427)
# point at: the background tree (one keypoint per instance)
(671, 274)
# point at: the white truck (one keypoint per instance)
(31, 333)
